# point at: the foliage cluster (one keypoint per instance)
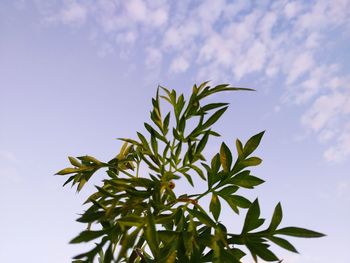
(136, 217)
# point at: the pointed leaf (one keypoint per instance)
(215, 206)
(252, 144)
(212, 119)
(298, 232)
(225, 157)
(276, 217)
(67, 171)
(87, 236)
(283, 243)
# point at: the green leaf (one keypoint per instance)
(202, 217)
(235, 201)
(188, 177)
(151, 130)
(241, 164)
(240, 201)
(131, 220)
(298, 232)
(239, 147)
(166, 123)
(90, 255)
(261, 249)
(89, 159)
(108, 257)
(220, 88)
(151, 234)
(71, 178)
(251, 221)
(215, 206)
(283, 243)
(252, 161)
(179, 106)
(243, 179)
(154, 144)
(67, 171)
(203, 142)
(252, 144)
(215, 164)
(225, 157)
(198, 171)
(143, 141)
(276, 217)
(87, 236)
(227, 191)
(212, 119)
(74, 161)
(128, 242)
(212, 106)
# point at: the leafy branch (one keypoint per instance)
(137, 217)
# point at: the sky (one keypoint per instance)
(76, 75)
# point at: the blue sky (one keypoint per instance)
(75, 75)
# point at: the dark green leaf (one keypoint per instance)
(261, 249)
(212, 119)
(276, 217)
(298, 232)
(143, 141)
(212, 106)
(151, 234)
(283, 243)
(198, 171)
(87, 236)
(203, 142)
(252, 218)
(227, 191)
(252, 144)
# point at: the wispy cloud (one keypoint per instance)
(343, 190)
(8, 156)
(8, 167)
(232, 40)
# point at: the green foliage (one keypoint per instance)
(139, 218)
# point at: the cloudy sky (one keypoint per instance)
(75, 75)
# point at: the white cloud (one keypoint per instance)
(154, 58)
(159, 17)
(301, 64)
(343, 190)
(8, 156)
(137, 10)
(286, 40)
(341, 150)
(325, 109)
(105, 49)
(254, 60)
(179, 65)
(8, 167)
(292, 9)
(72, 14)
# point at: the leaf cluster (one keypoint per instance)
(136, 217)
